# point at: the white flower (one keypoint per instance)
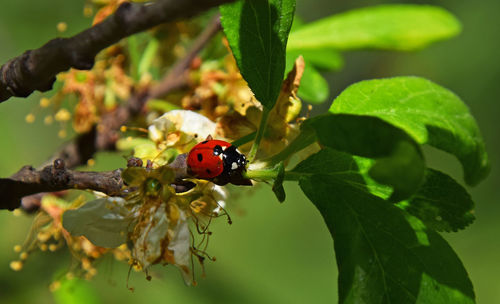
(164, 236)
(148, 246)
(188, 122)
(181, 246)
(220, 195)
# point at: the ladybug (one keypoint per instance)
(217, 161)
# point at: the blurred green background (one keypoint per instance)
(272, 253)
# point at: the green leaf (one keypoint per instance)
(327, 59)
(297, 23)
(134, 55)
(399, 160)
(313, 87)
(148, 56)
(278, 189)
(162, 105)
(384, 254)
(328, 161)
(441, 203)
(134, 176)
(105, 222)
(428, 112)
(257, 31)
(402, 27)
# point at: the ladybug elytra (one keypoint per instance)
(218, 161)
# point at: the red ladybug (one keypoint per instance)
(218, 161)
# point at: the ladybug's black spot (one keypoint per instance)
(204, 142)
(208, 171)
(200, 157)
(217, 150)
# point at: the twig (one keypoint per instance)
(178, 76)
(104, 137)
(27, 187)
(36, 69)
(55, 177)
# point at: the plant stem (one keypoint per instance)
(259, 135)
(267, 174)
(243, 140)
(261, 174)
(305, 138)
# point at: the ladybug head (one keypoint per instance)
(234, 160)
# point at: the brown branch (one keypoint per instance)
(27, 187)
(104, 137)
(178, 76)
(36, 69)
(55, 177)
(100, 138)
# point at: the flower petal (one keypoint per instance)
(148, 246)
(180, 245)
(185, 121)
(105, 221)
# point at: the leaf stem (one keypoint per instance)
(305, 138)
(271, 173)
(243, 140)
(262, 174)
(259, 135)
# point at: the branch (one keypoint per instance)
(77, 152)
(104, 137)
(27, 187)
(36, 69)
(53, 178)
(178, 76)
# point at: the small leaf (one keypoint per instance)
(148, 56)
(426, 111)
(441, 203)
(384, 254)
(402, 27)
(278, 189)
(161, 105)
(399, 160)
(105, 222)
(257, 31)
(134, 176)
